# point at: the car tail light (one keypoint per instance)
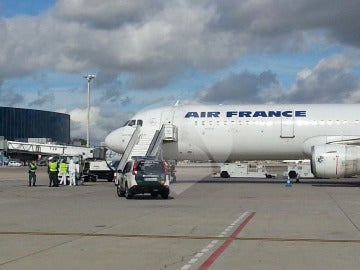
(134, 168)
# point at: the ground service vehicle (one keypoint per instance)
(243, 170)
(97, 169)
(143, 175)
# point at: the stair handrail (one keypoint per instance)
(154, 149)
(152, 144)
(133, 140)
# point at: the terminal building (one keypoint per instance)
(31, 128)
(27, 125)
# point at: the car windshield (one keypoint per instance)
(150, 167)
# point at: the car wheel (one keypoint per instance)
(127, 194)
(165, 195)
(119, 192)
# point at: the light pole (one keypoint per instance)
(88, 78)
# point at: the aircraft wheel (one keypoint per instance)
(224, 174)
(292, 174)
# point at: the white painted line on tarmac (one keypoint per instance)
(212, 244)
(216, 254)
(186, 267)
(199, 254)
(193, 260)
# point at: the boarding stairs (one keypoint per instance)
(148, 143)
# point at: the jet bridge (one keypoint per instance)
(48, 149)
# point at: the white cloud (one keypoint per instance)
(162, 39)
(79, 124)
(148, 45)
(331, 80)
(304, 74)
(337, 61)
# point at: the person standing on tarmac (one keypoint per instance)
(77, 172)
(63, 171)
(53, 172)
(32, 173)
(72, 170)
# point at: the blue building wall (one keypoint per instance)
(16, 123)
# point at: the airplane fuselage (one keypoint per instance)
(247, 132)
(259, 132)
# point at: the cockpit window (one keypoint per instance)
(131, 123)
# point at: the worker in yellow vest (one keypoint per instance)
(63, 172)
(53, 172)
(32, 173)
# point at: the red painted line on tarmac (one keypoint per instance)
(226, 244)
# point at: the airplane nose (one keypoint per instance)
(113, 141)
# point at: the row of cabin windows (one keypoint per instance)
(261, 123)
(271, 123)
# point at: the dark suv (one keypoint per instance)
(144, 175)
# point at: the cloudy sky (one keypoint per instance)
(149, 53)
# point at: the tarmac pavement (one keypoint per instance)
(207, 223)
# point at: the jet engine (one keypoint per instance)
(335, 160)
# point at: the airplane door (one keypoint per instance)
(287, 124)
(167, 117)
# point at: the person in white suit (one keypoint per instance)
(72, 170)
(77, 172)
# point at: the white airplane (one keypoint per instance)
(328, 134)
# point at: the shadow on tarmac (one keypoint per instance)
(355, 182)
(149, 198)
